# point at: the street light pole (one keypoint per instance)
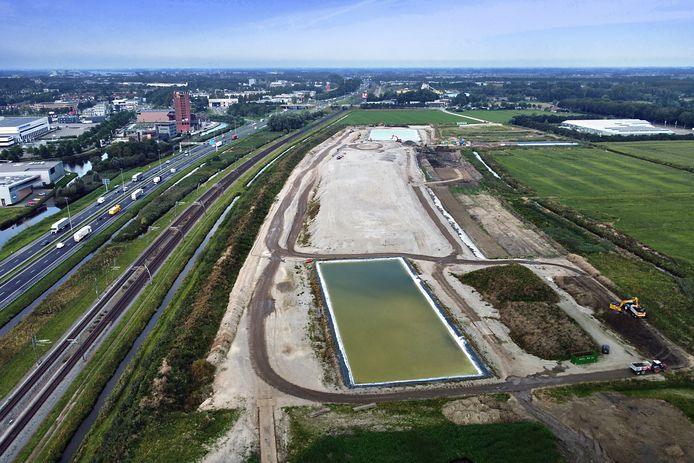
(69, 217)
(122, 181)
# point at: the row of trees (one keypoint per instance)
(130, 154)
(288, 121)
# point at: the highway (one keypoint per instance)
(33, 262)
(25, 401)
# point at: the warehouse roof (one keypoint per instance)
(615, 126)
(17, 121)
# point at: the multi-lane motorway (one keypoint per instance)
(30, 264)
(34, 392)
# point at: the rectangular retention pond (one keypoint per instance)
(389, 134)
(388, 328)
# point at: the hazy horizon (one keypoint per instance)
(67, 34)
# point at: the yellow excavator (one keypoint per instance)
(630, 306)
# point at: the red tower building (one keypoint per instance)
(181, 103)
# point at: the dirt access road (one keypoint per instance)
(276, 244)
(262, 304)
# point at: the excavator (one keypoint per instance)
(630, 306)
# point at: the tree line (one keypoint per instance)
(291, 120)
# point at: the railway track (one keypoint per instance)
(119, 296)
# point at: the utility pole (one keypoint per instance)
(121, 179)
(69, 217)
(149, 273)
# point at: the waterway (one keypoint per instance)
(388, 327)
(9, 232)
(79, 169)
(86, 425)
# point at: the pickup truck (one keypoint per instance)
(653, 366)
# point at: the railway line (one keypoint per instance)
(116, 300)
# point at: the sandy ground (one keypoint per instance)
(628, 429)
(368, 206)
(287, 328)
(517, 238)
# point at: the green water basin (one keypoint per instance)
(388, 328)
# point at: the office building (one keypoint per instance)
(181, 104)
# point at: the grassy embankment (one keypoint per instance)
(528, 307)
(84, 391)
(601, 199)
(412, 431)
(677, 389)
(150, 393)
(54, 315)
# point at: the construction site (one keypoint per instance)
(519, 312)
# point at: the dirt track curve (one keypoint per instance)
(262, 304)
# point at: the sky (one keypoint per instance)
(110, 34)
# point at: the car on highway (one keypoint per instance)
(168, 161)
(101, 200)
(59, 244)
(45, 243)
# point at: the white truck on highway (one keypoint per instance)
(59, 225)
(137, 193)
(81, 233)
(137, 177)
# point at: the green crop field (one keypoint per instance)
(400, 117)
(650, 202)
(674, 152)
(503, 116)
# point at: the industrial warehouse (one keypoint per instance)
(18, 179)
(22, 129)
(608, 127)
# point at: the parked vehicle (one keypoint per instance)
(59, 225)
(81, 233)
(654, 366)
(137, 193)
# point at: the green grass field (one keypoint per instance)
(493, 133)
(650, 202)
(503, 116)
(675, 152)
(412, 432)
(400, 117)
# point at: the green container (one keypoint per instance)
(583, 358)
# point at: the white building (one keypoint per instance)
(221, 102)
(6, 141)
(14, 188)
(608, 127)
(23, 129)
(47, 172)
(99, 110)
